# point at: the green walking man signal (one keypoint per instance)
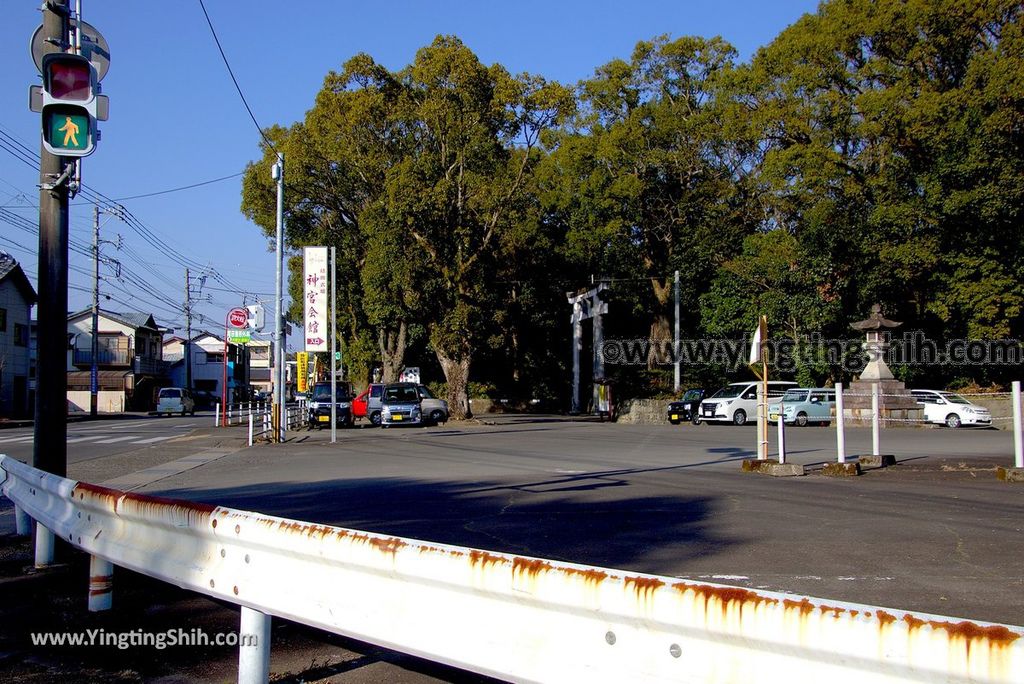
(70, 105)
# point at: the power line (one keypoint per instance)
(233, 79)
(184, 187)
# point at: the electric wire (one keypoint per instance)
(234, 80)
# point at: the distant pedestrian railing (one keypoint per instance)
(513, 617)
(258, 415)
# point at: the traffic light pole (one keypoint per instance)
(49, 451)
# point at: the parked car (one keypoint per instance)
(737, 402)
(368, 404)
(320, 405)
(685, 409)
(410, 403)
(950, 409)
(172, 400)
(803, 406)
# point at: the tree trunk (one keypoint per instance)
(456, 374)
(392, 351)
(661, 327)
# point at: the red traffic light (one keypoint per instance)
(68, 77)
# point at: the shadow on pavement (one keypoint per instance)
(496, 516)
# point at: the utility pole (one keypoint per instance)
(278, 175)
(188, 332)
(49, 450)
(94, 380)
(334, 344)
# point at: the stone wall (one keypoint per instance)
(643, 412)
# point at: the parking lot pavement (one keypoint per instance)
(937, 533)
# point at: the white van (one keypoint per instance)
(737, 403)
(175, 400)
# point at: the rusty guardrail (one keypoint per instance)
(513, 617)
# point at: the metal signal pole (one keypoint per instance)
(188, 332)
(49, 452)
(95, 347)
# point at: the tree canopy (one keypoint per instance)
(871, 153)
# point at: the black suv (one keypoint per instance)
(320, 405)
(685, 409)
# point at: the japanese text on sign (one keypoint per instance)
(314, 286)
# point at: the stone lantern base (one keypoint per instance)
(895, 404)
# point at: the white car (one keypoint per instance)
(952, 410)
(737, 403)
(173, 400)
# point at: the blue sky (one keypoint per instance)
(176, 119)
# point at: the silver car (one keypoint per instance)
(410, 403)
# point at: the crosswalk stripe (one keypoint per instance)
(117, 439)
(83, 439)
(14, 440)
(153, 439)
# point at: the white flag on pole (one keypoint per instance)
(755, 345)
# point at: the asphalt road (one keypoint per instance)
(936, 534)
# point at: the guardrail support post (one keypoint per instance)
(22, 522)
(254, 647)
(1018, 431)
(101, 584)
(216, 415)
(876, 421)
(250, 429)
(44, 546)
(840, 424)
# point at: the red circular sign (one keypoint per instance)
(238, 318)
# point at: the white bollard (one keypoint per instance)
(216, 414)
(840, 424)
(22, 522)
(762, 418)
(1018, 431)
(250, 429)
(782, 437)
(101, 584)
(44, 546)
(876, 421)
(254, 647)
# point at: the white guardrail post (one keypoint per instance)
(253, 647)
(101, 584)
(840, 424)
(44, 546)
(1018, 430)
(512, 617)
(22, 522)
(250, 429)
(216, 415)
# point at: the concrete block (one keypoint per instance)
(1010, 474)
(772, 468)
(841, 470)
(880, 461)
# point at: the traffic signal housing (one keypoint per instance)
(70, 105)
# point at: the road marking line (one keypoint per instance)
(117, 439)
(154, 439)
(22, 438)
(83, 439)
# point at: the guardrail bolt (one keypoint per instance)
(675, 650)
(610, 638)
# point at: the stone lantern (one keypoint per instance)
(895, 403)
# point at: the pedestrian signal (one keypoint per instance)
(69, 105)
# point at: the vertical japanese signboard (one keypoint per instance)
(314, 279)
(301, 371)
